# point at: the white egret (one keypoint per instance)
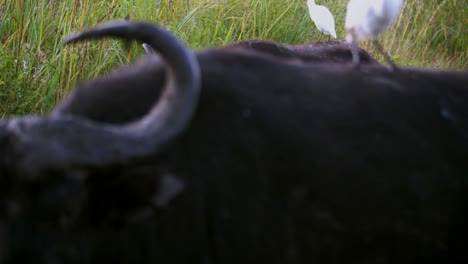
(367, 19)
(322, 18)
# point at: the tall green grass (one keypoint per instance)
(37, 70)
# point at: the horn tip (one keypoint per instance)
(72, 39)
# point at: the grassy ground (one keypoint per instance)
(36, 70)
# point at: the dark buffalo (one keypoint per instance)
(236, 156)
(333, 51)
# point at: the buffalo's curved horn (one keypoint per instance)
(66, 141)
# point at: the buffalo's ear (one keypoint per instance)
(149, 51)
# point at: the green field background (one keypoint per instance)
(37, 70)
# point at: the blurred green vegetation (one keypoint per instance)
(37, 70)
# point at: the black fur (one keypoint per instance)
(332, 51)
(284, 162)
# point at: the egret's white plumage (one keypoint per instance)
(367, 19)
(322, 18)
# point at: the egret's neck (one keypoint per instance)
(310, 2)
